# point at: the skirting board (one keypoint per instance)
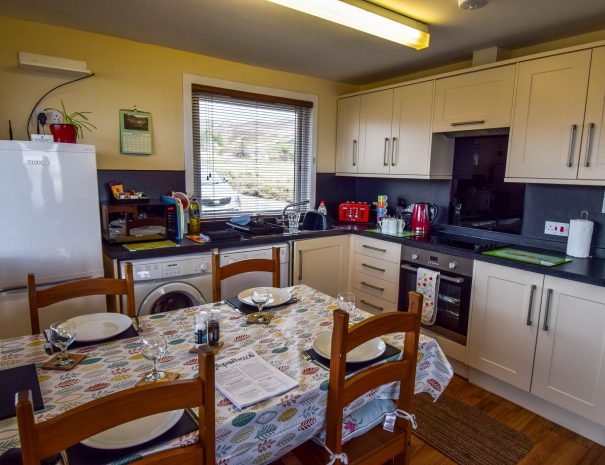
(557, 415)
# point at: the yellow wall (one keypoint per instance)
(130, 73)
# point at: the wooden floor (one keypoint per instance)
(553, 444)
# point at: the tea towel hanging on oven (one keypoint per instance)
(427, 283)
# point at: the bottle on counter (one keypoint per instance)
(194, 217)
(322, 208)
(214, 332)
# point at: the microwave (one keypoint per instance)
(122, 223)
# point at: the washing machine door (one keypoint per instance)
(170, 296)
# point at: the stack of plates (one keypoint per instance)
(366, 352)
(100, 326)
(277, 297)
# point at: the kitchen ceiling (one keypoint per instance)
(261, 33)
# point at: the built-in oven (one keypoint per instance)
(454, 294)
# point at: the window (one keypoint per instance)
(251, 153)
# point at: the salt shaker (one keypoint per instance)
(201, 327)
(214, 327)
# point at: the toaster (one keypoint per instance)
(356, 212)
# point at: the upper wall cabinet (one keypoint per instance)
(476, 100)
(548, 122)
(375, 144)
(347, 133)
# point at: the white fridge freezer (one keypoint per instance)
(49, 226)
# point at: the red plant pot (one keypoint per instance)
(64, 133)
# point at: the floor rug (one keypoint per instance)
(466, 435)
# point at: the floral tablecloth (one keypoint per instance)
(255, 435)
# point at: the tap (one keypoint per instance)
(296, 204)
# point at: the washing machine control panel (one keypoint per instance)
(151, 270)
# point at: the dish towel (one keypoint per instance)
(427, 283)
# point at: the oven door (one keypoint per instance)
(452, 306)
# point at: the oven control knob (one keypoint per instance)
(452, 265)
(414, 256)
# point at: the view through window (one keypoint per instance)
(251, 153)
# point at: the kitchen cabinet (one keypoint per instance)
(548, 117)
(322, 263)
(475, 100)
(375, 143)
(347, 135)
(541, 334)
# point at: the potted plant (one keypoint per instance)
(72, 125)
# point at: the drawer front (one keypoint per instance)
(373, 304)
(376, 248)
(375, 286)
(376, 267)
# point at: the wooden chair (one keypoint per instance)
(45, 439)
(223, 272)
(377, 446)
(80, 288)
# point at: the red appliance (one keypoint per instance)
(423, 214)
(355, 212)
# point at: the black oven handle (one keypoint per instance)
(443, 277)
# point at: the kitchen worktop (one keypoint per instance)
(586, 270)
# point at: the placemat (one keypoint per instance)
(528, 257)
(84, 455)
(14, 380)
(150, 245)
(247, 308)
(352, 367)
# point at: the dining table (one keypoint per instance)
(257, 434)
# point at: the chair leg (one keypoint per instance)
(401, 459)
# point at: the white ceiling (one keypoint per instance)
(261, 33)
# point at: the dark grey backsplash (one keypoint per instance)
(153, 183)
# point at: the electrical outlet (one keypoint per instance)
(53, 117)
(556, 229)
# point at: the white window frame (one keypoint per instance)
(190, 79)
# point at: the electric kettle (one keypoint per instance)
(423, 215)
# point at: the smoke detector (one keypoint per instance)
(472, 4)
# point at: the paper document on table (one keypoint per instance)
(246, 379)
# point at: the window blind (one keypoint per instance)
(251, 153)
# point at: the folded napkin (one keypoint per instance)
(247, 308)
(427, 283)
(126, 334)
(352, 367)
(14, 380)
(84, 455)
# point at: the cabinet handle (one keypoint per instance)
(468, 123)
(354, 152)
(394, 153)
(531, 304)
(381, 289)
(572, 140)
(374, 248)
(373, 267)
(547, 310)
(441, 277)
(372, 305)
(300, 255)
(588, 145)
(385, 160)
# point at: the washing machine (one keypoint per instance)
(165, 284)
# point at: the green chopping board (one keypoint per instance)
(403, 234)
(528, 257)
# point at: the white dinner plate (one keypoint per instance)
(135, 432)
(277, 297)
(367, 351)
(99, 326)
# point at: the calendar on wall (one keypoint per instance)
(136, 133)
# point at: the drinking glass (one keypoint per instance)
(260, 296)
(62, 334)
(346, 301)
(293, 219)
(153, 346)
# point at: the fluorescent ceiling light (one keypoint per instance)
(366, 17)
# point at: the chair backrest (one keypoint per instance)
(342, 392)
(44, 439)
(79, 288)
(245, 266)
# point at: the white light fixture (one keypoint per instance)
(472, 4)
(366, 17)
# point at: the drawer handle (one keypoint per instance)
(547, 310)
(468, 123)
(374, 248)
(372, 305)
(381, 289)
(572, 141)
(382, 270)
(531, 304)
(300, 256)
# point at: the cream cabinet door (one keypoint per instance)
(548, 117)
(375, 144)
(322, 263)
(592, 157)
(569, 368)
(504, 322)
(347, 135)
(411, 130)
(476, 100)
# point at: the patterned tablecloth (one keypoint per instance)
(256, 435)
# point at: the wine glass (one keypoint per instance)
(153, 346)
(260, 296)
(62, 334)
(346, 301)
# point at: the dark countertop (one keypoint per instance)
(586, 270)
